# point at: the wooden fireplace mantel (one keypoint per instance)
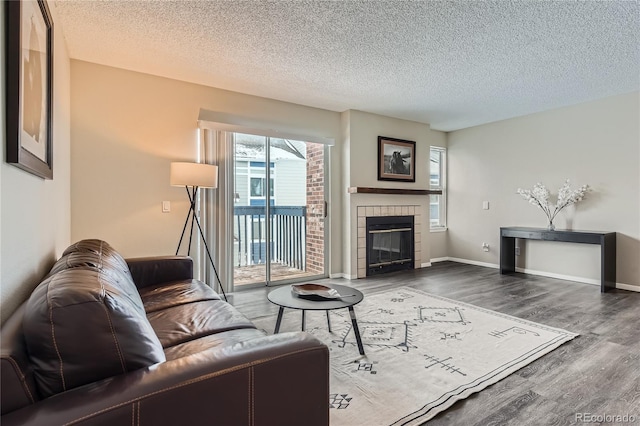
(396, 191)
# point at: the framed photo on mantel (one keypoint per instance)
(29, 68)
(396, 159)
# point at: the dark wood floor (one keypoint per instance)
(596, 373)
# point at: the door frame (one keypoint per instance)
(230, 201)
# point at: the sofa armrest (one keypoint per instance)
(156, 270)
(274, 380)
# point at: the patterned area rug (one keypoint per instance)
(423, 353)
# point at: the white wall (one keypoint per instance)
(127, 127)
(596, 143)
(34, 213)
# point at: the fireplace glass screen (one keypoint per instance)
(390, 245)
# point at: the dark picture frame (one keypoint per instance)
(396, 159)
(29, 86)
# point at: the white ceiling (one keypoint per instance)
(451, 64)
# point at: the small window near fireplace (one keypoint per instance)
(390, 245)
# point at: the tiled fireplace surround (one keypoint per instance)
(387, 210)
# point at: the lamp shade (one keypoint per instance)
(194, 174)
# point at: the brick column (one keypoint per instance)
(315, 208)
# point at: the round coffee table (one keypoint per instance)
(285, 299)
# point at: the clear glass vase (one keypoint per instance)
(551, 226)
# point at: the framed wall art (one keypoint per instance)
(396, 159)
(29, 78)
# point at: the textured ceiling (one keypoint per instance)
(451, 64)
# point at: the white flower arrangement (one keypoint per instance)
(539, 196)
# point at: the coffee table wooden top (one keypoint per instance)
(283, 297)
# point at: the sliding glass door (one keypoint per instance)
(279, 210)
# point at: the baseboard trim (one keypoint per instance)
(584, 280)
(425, 265)
(628, 287)
(340, 275)
(474, 262)
(559, 276)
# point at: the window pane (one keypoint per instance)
(434, 210)
(435, 169)
(437, 179)
(257, 187)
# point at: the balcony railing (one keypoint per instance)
(288, 230)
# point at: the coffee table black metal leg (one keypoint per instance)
(356, 330)
(279, 320)
(328, 321)
(303, 320)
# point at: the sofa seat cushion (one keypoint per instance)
(156, 298)
(184, 323)
(80, 327)
(226, 338)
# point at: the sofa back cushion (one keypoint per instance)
(93, 253)
(80, 326)
(17, 386)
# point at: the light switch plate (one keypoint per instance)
(485, 205)
(166, 206)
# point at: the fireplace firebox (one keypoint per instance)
(390, 245)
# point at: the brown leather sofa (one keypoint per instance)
(108, 341)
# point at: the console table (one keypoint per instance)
(606, 240)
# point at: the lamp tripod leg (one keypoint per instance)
(193, 215)
(184, 228)
(206, 246)
(192, 209)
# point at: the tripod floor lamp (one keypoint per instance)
(195, 176)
